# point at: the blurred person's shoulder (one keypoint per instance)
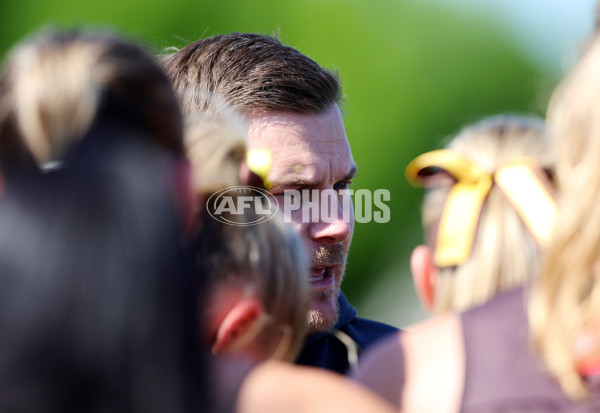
(407, 367)
(502, 371)
(382, 369)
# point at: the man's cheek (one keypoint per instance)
(345, 202)
(290, 204)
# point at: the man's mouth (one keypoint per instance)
(320, 274)
(325, 262)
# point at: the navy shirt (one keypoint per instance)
(327, 350)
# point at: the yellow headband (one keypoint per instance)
(460, 217)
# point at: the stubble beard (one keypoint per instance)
(325, 310)
(319, 321)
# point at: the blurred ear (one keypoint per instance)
(240, 326)
(424, 274)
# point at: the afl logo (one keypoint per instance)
(242, 205)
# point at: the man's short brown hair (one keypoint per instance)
(251, 73)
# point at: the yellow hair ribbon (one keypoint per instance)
(259, 161)
(460, 217)
(530, 198)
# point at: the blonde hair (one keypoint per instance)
(504, 253)
(215, 144)
(56, 85)
(564, 309)
(55, 94)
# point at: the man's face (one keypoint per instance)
(312, 152)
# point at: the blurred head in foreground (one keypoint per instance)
(487, 211)
(97, 305)
(254, 270)
(256, 285)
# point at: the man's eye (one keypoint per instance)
(276, 192)
(341, 185)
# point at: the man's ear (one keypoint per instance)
(240, 326)
(424, 274)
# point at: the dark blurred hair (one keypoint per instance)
(97, 306)
(251, 73)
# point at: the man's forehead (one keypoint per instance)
(307, 160)
(304, 147)
(296, 128)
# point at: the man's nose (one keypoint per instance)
(335, 222)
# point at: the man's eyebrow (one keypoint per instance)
(296, 183)
(300, 183)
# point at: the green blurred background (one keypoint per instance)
(414, 72)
